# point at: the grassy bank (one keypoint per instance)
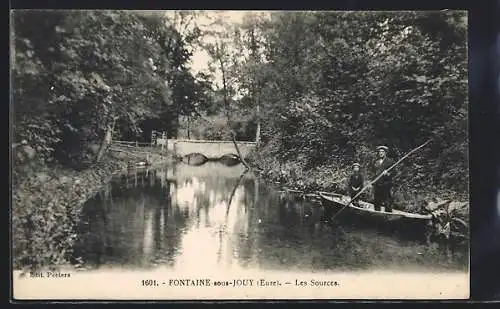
(46, 206)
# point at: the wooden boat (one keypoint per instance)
(367, 210)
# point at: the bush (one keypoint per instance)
(46, 210)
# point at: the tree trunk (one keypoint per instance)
(254, 88)
(176, 125)
(257, 133)
(228, 116)
(107, 139)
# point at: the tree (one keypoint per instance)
(339, 83)
(177, 34)
(91, 71)
(220, 53)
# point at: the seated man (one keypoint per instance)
(355, 182)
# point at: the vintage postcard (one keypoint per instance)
(214, 155)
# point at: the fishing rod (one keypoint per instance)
(379, 176)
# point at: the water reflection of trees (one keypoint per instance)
(165, 217)
(276, 229)
(131, 222)
(140, 218)
(291, 234)
(218, 201)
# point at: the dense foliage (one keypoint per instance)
(81, 74)
(80, 79)
(335, 85)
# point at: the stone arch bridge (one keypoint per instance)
(209, 148)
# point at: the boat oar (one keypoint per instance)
(379, 176)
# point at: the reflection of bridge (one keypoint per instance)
(209, 148)
(145, 177)
(210, 170)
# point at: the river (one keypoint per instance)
(212, 232)
(212, 217)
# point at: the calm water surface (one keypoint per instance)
(186, 217)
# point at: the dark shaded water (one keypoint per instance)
(210, 217)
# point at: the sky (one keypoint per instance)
(200, 58)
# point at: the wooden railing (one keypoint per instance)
(140, 150)
(130, 144)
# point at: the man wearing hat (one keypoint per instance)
(382, 188)
(355, 182)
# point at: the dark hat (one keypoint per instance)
(383, 147)
(355, 164)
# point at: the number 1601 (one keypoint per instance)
(149, 282)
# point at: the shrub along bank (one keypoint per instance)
(413, 191)
(333, 177)
(46, 207)
(410, 193)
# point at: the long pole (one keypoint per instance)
(379, 176)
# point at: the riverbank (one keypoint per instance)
(450, 226)
(46, 206)
(293, 174)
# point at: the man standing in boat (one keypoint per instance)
(355, 182)
(382, 188)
